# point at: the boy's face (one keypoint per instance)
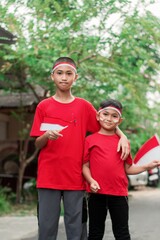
(109, 119)
(64, 76)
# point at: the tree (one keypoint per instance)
(115, 45)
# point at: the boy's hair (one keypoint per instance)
(111, 102)
(65, 59)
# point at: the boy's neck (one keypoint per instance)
(107, 132)
(63, 97)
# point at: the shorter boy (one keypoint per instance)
(105, 173)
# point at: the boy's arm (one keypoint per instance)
(134, 169)
(42, 140)
(123, 144)
(94, 186)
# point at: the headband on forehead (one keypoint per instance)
(113, 108)
(64, 64)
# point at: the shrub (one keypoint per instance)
(5, 205)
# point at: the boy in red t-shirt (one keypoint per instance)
(105, 173)
(60, 126)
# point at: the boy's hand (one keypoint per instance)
(125, 146)
(53, 135)
(94, 186)
(153, 164)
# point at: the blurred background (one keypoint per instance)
(116, 45)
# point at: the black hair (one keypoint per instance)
(65, 59)
(111, 102)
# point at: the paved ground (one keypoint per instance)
(15, 228)
(144, 220)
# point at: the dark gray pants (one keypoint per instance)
(49, 213)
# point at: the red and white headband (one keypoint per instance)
(64, 64)
(113, 108)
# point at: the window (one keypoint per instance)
(3, 130)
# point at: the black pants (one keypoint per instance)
(99, 205)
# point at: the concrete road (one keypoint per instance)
(145, 214)
(144, 220)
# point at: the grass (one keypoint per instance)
(21, 210)
(24, 210)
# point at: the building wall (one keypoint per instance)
(10, 126)
(4, 122)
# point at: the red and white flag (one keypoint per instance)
(149, 151)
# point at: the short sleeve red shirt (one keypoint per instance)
(60, 161)
(106, 166)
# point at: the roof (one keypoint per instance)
(6, 37)
(15, 100)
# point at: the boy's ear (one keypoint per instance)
(120, 121)
(52, 77)
(97, 116)
(76, 77)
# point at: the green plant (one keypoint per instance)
(30, 191)
(5, 205)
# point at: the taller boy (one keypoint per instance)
(60, 125)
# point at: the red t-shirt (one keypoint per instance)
(60, 161)
(106, 166)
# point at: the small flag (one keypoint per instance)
(51, 127)
(149, 151)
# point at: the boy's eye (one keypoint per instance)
(67, 73)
